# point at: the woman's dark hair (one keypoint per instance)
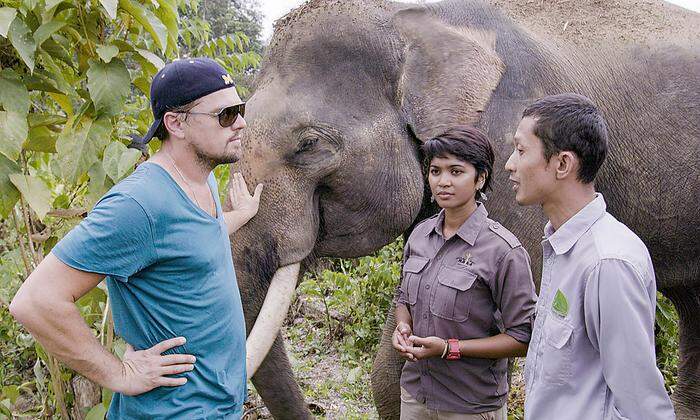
(466, 143)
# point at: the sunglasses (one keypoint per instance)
(227, 116)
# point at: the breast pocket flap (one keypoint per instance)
(415, 264)
(557, 331)
(460, 279)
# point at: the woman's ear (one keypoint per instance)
(481, 180)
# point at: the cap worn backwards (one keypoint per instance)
(181, 82)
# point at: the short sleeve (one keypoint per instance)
(514, 294)
(116, 239)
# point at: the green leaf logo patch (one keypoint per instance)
(560, 305)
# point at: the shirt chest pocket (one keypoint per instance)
(559, 346)
(452, 297)
(412, 269)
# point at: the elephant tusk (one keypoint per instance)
(271, 315)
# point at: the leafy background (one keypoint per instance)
(74, 85)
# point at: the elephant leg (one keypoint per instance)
(386, 373)
(275, 383)
(686, 396)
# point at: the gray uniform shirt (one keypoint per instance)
(592, 349)
(476, 284)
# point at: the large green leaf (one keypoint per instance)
(57, 51)
(108, 84)
(152, 58)
(167, 13)
(35, 191)
(9, 194)
(37, 119)
(13, 94)
(21, 38)
(110, 7)
(149, 21)
(50, 4)
(13, 132)
(99, 183)
(41, 81)
(119, 160)
(44, 31)
(107, 52)
(40, 139)
(7, 15)
(64, 102)
(29, 5)
(56, 73)
(110, 159)
(144, 85)
(79, 148)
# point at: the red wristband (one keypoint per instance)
(453, 351)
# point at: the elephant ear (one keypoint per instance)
(447, 74)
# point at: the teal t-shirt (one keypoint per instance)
(169, 273)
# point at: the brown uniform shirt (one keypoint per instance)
(476, 284)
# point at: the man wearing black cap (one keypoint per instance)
(162, 241)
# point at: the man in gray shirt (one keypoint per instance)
(591, 355)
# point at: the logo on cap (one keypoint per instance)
(227, 79)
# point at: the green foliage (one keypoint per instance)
(74, 84)
(225, 17)
(231, 30)
(667, 341)
(356, 295)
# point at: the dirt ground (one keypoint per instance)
(333, 389)
(595, 22)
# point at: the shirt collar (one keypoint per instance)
(469, 229)
(571, 231)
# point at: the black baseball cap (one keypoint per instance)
(181, 82)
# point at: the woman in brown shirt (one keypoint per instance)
(467, 298)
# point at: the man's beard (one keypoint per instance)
(210, 162)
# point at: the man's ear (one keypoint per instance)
(174, 124)
(447, 73)
(567, 165)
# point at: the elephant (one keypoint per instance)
(348, 91)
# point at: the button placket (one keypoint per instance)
(542, 303)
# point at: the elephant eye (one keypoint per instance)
(306, 144)
(316, 148)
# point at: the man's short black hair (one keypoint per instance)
(466, 143)
(571, 122)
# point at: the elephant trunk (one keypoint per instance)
(271, 315)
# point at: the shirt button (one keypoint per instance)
(427, 286)
(425, 316)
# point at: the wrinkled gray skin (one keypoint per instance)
(348, 91)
